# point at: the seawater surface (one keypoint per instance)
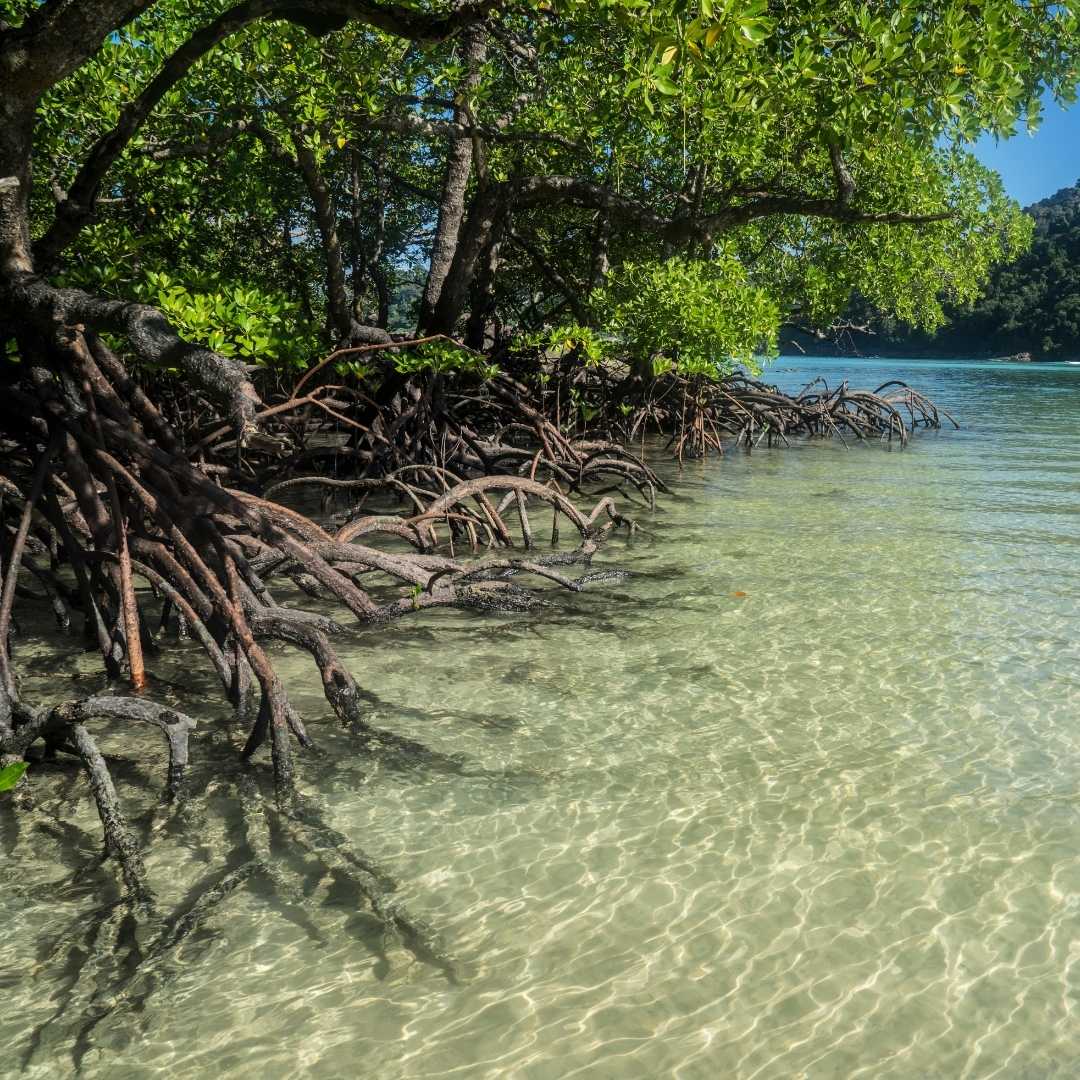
(798, 799)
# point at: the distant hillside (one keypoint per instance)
(1031, 305)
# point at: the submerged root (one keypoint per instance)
(451, 490)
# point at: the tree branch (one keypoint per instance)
(845, 182)
(573, 295)
(154, 340)
(494, 202)
(315, 15)
(56, 38)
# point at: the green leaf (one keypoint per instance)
(11, 775)
(754, 31)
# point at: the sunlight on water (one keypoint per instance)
(797, 799)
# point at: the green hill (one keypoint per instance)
(1030, 306)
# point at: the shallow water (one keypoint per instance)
(797, 799)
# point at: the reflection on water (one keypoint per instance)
(797, 799)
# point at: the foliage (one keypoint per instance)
(256, 323)
(443, 358)
(703, 109)
(572, 340)
(1030, 305)
(911, 276)
(703, 318)
(232, 319)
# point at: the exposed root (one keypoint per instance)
(446, 483)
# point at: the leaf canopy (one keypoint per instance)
(726, 154)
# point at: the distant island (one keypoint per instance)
(1030, 310)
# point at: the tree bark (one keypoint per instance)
(367, 259)
(358, 269)
(48, 310)
(337, 296)
(483, 299)
(601, 263)
(459, 162)
(382, 296)
(297, 277)
(16, 139)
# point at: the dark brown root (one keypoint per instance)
(446, 482)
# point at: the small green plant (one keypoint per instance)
(444, 358)
(257, 325)
(12, 774)
(578, 402)
(701, 318)
(234, 320)
(571, 339)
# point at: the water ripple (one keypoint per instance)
(798, 800)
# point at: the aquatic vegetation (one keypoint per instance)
(11, 774)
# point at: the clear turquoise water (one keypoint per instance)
(799, 799)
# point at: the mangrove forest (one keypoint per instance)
(320, 315)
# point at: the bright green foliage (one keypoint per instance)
(443, 358)
(909, 273)
(581, 342)
(701, 317)
(861, 68)
(231, 319)
(1032, 305)
(685, 108)
(11, 775)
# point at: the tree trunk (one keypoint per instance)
(600, 263)
(382, 294)
(347, 329)
(337, 298)
(483, 299)
(16, 136)
(298, 278)
(486, 218)
(459, 159)
(358, 261)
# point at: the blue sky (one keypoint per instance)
(1034, 166)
